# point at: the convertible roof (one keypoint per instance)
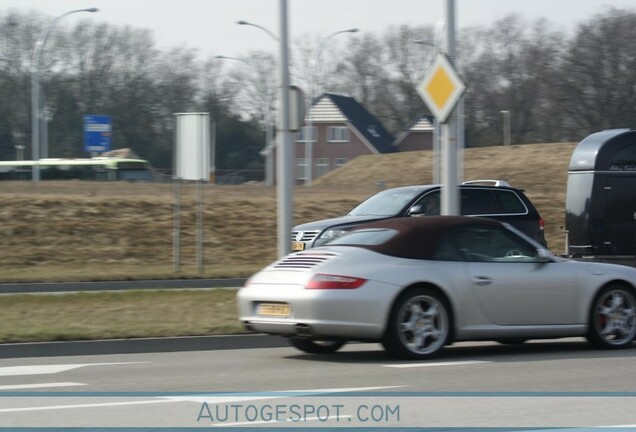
(418, 237)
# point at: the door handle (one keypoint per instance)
(482, 280)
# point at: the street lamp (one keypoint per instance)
(313, 68)
(265, 106)
(269, 32)
(268, 152)
(35, 89)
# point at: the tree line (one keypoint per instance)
(557, 85)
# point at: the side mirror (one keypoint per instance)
(417, 209)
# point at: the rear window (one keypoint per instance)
(478, 202)
(511, 203)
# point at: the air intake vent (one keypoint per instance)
(303, 260)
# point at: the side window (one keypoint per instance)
(478, 202)
(510, 202)
(493, 244)
(429, 204)
(448, 250)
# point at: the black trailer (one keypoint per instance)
(601, 196)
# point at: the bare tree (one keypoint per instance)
(597, 86)
(509, 67)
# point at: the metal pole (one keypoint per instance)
(269, 149)
(436, 152)
(200, 207)
(450, 193)
(176, 240)
(506, 127)
(265, 107)
(313, 69)
(460, 142)
(44, 150)
(285, 153)
(35, 111)
(36, 114)
(269, 154)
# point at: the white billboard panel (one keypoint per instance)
(192, 146)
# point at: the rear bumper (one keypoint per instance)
(350, 314)
(313, 329)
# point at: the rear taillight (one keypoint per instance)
(325, 281)
(541, 223)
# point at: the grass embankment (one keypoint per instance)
(113, 315)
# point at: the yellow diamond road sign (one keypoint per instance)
(442, 88)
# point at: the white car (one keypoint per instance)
(418, 284)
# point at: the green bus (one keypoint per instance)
(97, 168)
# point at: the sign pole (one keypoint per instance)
(450, 193)
(285, 151)
(200, 209)
(176, 240)
(192, 162)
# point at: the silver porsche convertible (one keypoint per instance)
(418, 284)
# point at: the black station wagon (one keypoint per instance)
(493, 199)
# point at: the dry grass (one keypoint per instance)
(85, 316)
(61, 231)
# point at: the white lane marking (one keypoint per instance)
(37, 386)
(321, 419)
(276, 394)
(217, 399)
(51, 369)
(93, 405)
(429, 364)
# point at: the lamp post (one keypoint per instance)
(268, 151)
(266, 107)
(313, 69)
(35, 89)
(285, 152)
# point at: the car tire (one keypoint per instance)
(316, 346)
(419, 325)
(612, 322)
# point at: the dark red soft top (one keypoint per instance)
(417, 237)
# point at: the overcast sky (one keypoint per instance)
(210, 25)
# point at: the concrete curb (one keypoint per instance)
(145, 345)
(57, 287)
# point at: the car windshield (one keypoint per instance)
(386, 203)
(365, 237)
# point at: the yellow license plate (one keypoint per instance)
(298, 246)
(273, 309)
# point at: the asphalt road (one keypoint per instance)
(562, 383)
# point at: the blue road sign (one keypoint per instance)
(98, 131)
